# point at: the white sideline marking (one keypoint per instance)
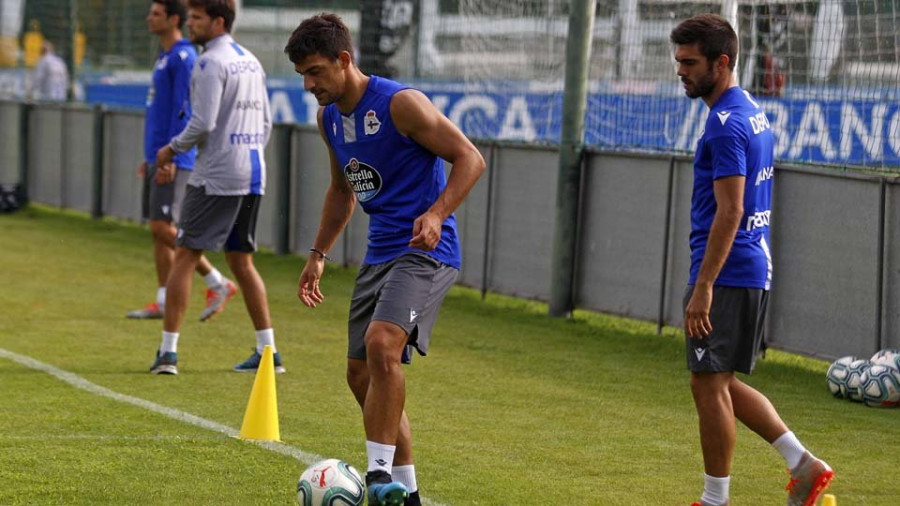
(78, 382)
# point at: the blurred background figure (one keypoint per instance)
(51, 77)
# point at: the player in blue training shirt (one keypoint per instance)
(168, 112)
(731, 267)
(386, 142)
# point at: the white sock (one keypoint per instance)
(715, 490)
(169, 342)
(790, 448)
(407, 476)
(161, 297)
(380, 456)
(214, 279)
(263, 338)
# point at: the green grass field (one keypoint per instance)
(510, 408)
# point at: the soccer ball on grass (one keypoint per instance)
(888, 357)
(330, 482)
(880, 386)
(836, 377)
(855, 371)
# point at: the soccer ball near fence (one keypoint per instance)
(880, 386)
(330, 482)
(836, 377)
(854, 373)
(888, 357)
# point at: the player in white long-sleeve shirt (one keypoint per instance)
(230, 125)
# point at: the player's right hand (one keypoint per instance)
(165, 174)
(308, 287)
(142, 170)
(696, 315)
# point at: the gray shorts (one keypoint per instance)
(213, 221)
(407, 292)
(163, 201)
(738, 317)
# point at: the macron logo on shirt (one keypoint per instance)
(723, 116)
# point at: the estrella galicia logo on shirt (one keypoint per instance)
(363, 178)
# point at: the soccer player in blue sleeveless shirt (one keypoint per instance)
(731, 268)
(168, 112)
(385, 142)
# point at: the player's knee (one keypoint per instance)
(709, 385)
(380, 353)
(160, 229)
(239, 263)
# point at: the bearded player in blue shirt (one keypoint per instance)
(731, 267)
(386, 144)
(168, 112)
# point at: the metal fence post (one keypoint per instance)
(97, 179)
(571, 151)
(24, 112)
(661, 315)
(488, 219)
(283, 189)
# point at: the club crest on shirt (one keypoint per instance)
(363, 178)
(371, 123)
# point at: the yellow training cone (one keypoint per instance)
(829, 500)
(261, 417)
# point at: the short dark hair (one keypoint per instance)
(713, 35)
(216, 9)
(324, 33)
(174, 8)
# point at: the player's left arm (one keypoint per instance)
(180, 84)
(729, 194)
(417, 118)
(267, 110)
(207, 87)
(179, 76)
(728, 145)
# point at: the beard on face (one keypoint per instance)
(704, 86)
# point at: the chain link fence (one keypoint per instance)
(826, 71)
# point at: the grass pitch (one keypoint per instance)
(510, 408)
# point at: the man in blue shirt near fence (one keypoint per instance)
(386, 144)
(731, 267)
(168, 112)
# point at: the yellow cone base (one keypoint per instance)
(829, 500)
(261, 417)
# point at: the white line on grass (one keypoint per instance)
(182, 416)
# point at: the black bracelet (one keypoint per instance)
(321, 254)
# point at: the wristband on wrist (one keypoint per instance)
(321, 254)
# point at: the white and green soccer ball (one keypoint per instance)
(880, 386)
(836, 377)
(888, 357)
(855, 371)
(330, 482)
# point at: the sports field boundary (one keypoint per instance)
(77, 381)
